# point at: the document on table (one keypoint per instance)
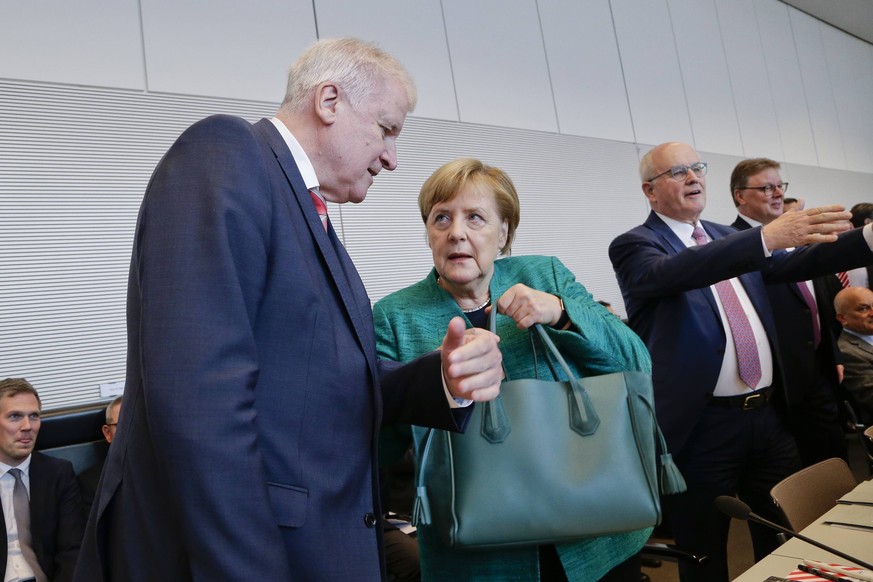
(860, 495)
(860, 516)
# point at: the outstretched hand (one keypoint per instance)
(812, 225)
(472, 362)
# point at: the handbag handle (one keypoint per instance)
(583, 418)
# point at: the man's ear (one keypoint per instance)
(326, 102)
(738, 199)
(648, 191)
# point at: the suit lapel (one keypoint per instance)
(38, 499)
(672, 242)
(339, 264)
(859, 343)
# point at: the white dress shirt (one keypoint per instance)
(17, 567)
(729, 383)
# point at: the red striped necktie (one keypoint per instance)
(844, 278)
(320, 208)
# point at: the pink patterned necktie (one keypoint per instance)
(744, 339)
(813, 312)
(844, 278)
(320, 208)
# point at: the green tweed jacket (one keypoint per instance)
(413, 321)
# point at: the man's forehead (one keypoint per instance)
(676, 154)
(20, 401)
(862, 297)
(765, 174)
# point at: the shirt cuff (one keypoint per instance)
(767, 252)
(867, 231)
(453, 402)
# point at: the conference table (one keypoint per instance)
(854, 541)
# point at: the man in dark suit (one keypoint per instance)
(90, 477)
(715, 362)
(806, 325)
(42, 509)
(253, 397)
(854, 306)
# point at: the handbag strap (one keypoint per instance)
(583, 418)
(421, 507)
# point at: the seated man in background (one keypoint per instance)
(42, 508)
(854, 307)
(90, 477)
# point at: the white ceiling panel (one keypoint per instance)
(499, 63)
(651, 69)
(748, 73)
(224, 48)
(705, 75)
(786, 82)
(586, 69)
(851, 108)
(411, 31)
(93, 42)
(819, 93)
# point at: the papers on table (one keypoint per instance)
(860, 495)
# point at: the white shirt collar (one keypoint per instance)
(752, 222)
(24, 466)
(681, 229)
(866, 338)
(300, 157)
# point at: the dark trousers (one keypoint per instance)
(814, 417)
(730, 452)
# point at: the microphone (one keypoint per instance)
(739, 510)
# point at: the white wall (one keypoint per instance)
(564, 95)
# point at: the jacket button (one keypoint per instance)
(370, 520)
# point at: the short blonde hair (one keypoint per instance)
(445, 183)
(357, 67)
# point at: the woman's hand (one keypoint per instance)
(528, 306)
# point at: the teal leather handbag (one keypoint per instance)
(547, 462)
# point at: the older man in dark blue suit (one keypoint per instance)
(247, 447)
(713, 393)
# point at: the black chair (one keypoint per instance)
(856, 424)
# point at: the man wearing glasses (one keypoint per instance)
(90, 477)
(694, 292)
(806, 324)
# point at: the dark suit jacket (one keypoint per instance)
(858, 380)
(665, 287)
(253, 397)
(56, 522)
(796, 335)
(88, 481)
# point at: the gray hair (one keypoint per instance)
(357, 67)
(113, 404)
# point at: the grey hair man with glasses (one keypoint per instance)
(695, 293)
(806, 325)
(90, 477)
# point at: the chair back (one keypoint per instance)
(868, 445)
(806, 495)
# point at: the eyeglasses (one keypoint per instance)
(111, 424)
(768, 189)
(679, 173)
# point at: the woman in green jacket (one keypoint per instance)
(471, 211)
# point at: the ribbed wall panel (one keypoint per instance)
(74, 163)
